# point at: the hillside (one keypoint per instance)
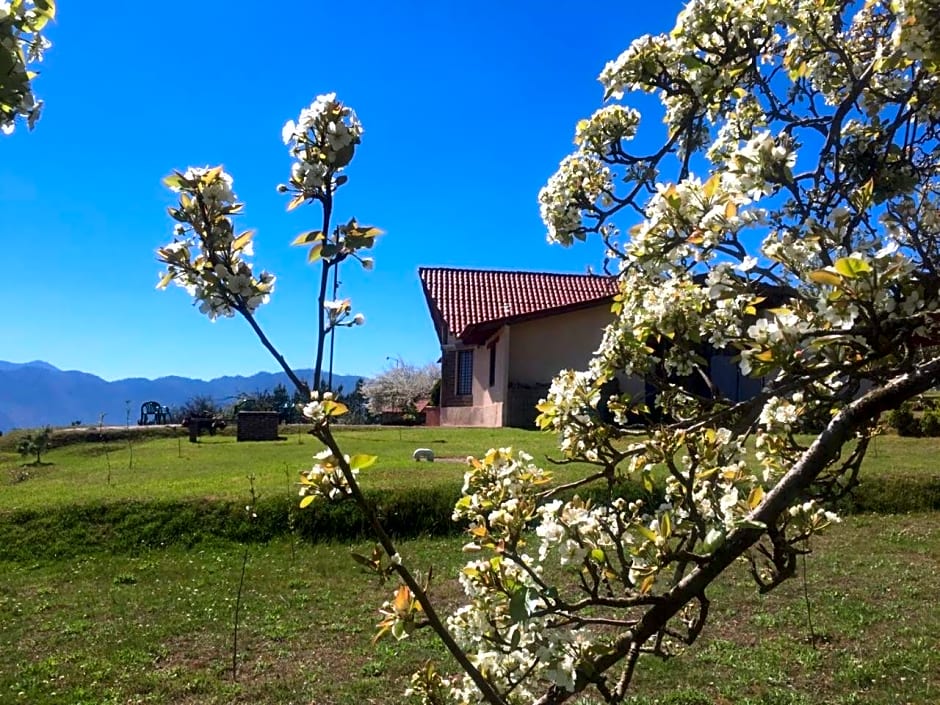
(36, 393)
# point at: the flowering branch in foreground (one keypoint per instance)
(22, 45)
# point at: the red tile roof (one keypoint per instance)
(466, 301)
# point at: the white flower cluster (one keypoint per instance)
(581, 183)
(510, 625)
(206, 256)
(633, 68)
(21, 45)
(320, 407)
(505, 634)
(759, 166)
(499, 495)
(914, 35)
(602, 133)
(809, 516)
(322, 142)
(325, 479)
(570, 408)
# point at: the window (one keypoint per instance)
(464, 372)
(492, 347)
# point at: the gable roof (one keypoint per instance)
(471, 303)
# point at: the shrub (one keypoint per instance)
(903, 420)
(930, 422)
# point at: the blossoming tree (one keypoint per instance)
(209, 259)
(21, 46)
(400, 386)
(788, 223)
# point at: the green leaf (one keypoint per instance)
(665, 525)
(597, 555)
(308, 237)
(242, 240)
(851, 267)
(358, 462)
(713, 539)
(174, 180)
(764, 355)
(826, 277)
(862, 197)
(315, 253)
(518, 609)
(690, 61)
(515, 638)
(165, 280)
(755, 497)
(334, 408)
(362, 560)
(749, 524)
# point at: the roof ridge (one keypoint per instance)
(485, 270)
(461, 298)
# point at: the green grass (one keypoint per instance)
(156, 627)
(117, 584)
(217, 467)
(901, 473)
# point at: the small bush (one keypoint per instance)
(930, 423)
(903, 420)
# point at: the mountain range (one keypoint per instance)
(34, 394)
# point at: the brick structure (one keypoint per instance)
(257, 425)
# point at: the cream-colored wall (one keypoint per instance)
(542, 347)
(532, 353)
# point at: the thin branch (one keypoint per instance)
(491, 696)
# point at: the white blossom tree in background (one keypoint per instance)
(21, 47)
(789, 217)
(400, 386)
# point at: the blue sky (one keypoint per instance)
(467, 109)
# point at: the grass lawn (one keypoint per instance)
(218, 467)
(156, 627)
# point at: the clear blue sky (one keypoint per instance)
(467, 109)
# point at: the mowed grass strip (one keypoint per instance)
(157, 627)
(899, 474)
(218, 467)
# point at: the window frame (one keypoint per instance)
(492, 348)
(463, 379)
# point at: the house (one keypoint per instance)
(505, 334)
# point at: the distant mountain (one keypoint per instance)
(36, 393)
(35, 363)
